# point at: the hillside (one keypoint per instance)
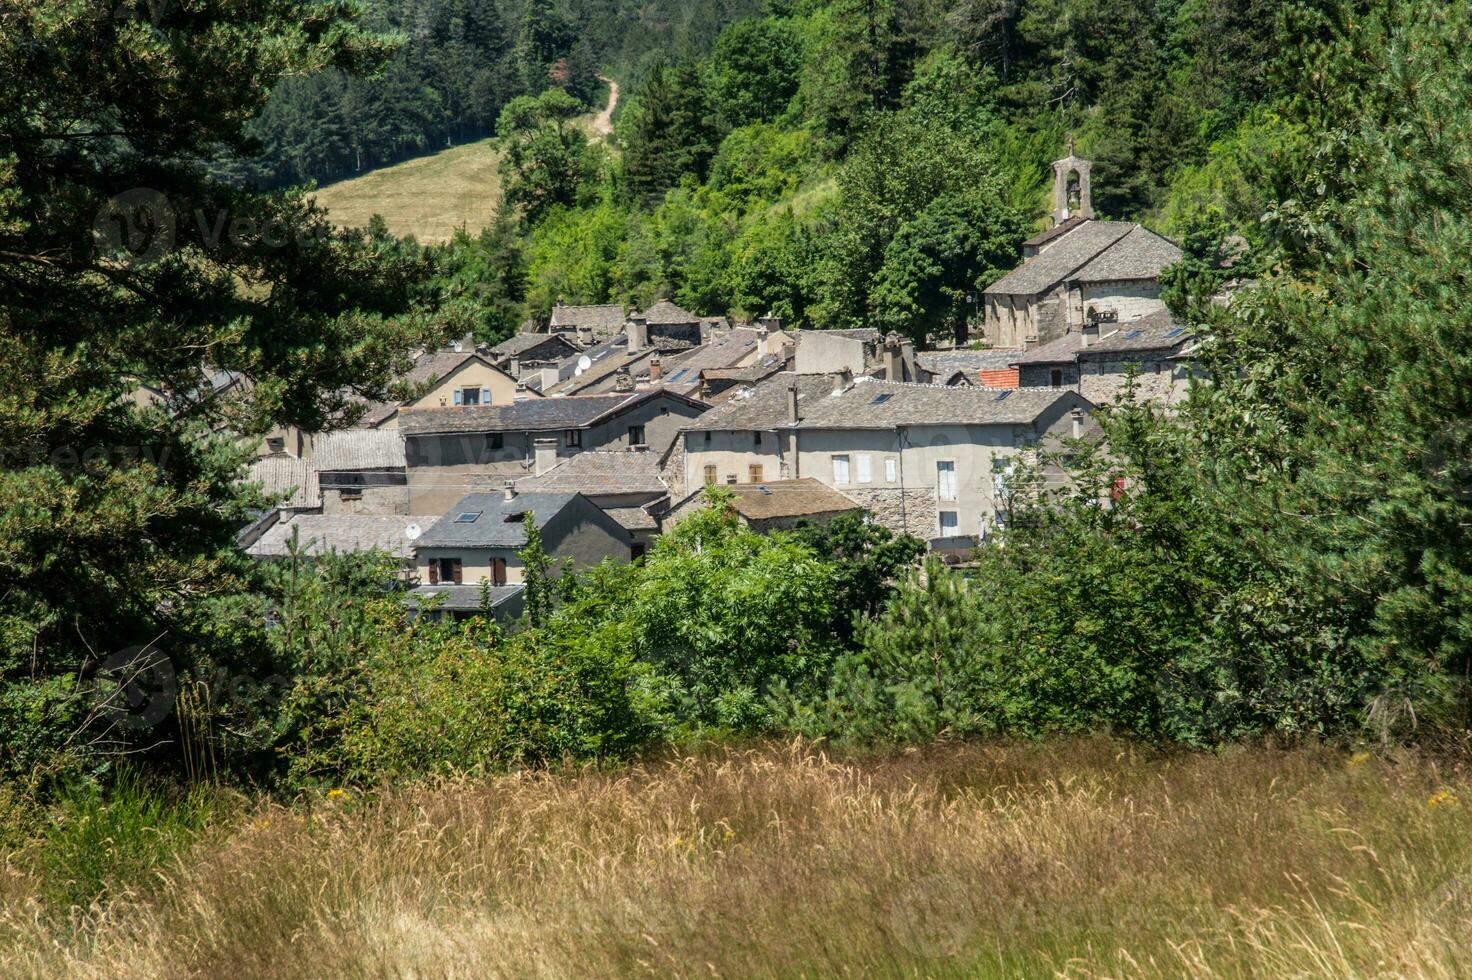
(428, 197)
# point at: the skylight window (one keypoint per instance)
(1133, 334)
(1176, 332)
(1004, 395)
(881, 399)
(469, 517)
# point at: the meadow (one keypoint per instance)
(1084, 858)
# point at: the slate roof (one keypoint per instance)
(1076, 248)
(287, 475)
(604, 318)
(666, 312)
(342, 533)
(947, 362)
(359, 449)
(466, 598)
(805, 497)
(498, 521)
(523, 342)
(531, 415)
(721, 353)
(1141, 254)
(1156, 332)
(765, 405)
(632, 518)
(1060, 350)
(1061, 228)
(870, 404)
(595, 472)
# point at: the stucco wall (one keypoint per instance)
(1131, 299)
(732, 454)
(820, 353)
(472, 374)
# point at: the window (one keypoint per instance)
(707, 438)
(495, 441)
(276, 444)
(498, 571)
(351, 493)
(754, 474)
(756, 438)
(469, 517)
(469, 396)
(637, 551)
(949, 524)
(731, 480)
(573, 438)
(636, 435)
(446, 570)
(840, 471)
(710, 476)
(945, 479)
(1055, 377)
(866, 471)
(891, 470)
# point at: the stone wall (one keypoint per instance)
(1041, 375)
(375, 501)
(1156, 380)
(902, 511)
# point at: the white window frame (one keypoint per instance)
(865, 468)
(891, 469)
(841, 465)
(940, 522)
(942, 491)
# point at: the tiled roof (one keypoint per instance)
(1060, 350)
(886, 404)
(1061, 228)
(999, 378)
(720, 354)
(605, 318)
(467, 598)
(497, 522)
(948, 362)
(666, 312)
(530, 415)
(628, 471)
(341, 533)
(1158, 331)
(523, 342)
(359, 449)
(1069, 253)
(1141, 254)
(632, 518)
(765, 405)
(789, 498)
(287, 475)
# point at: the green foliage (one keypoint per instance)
(547, 160)
(754, 71)
(668, 133)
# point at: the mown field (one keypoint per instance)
(1088, 858)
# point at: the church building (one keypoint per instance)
(1080, 272)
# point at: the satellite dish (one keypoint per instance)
(584, 363)
(412, 532)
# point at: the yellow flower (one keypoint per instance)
(337, 794)
(1442, 797)
(1359, 758)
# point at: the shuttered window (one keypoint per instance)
(945, 479)
(840, 470)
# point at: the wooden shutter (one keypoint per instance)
(498, 571)
(485, 396)
(434, 571)
(458, 568)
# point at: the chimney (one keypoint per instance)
(514, 368)
(655, 369)
(585, 336)
(842, 380)
(637, 330)
(623, 381)
(792, 416)
(510, 490)
(1089, 334)
(894, 362)
(545, 454)
(1078, 423)
(549, 378)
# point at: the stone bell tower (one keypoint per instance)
(1072, 194)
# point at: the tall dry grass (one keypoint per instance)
(1087, 858)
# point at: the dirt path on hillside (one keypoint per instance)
(603, 122)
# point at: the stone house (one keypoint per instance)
(450, 379)
(1081, 270)
(321, 534)
(527, 353)
(1096, 363)
(626, 485)
(362, 471)
(778, 505)
(587, 325)
(453, 452)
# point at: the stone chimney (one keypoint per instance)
(623, 381)
(545, 453)
(656, 369)
(510, 490)
(513, 368)
(841, 381)
(1078, 423)
(637, 330)
(894, 358)
(770, 322)
(792, 414)
(585, 335)
(1089, 335)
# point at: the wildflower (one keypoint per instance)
(1442, 797)
(1359, 758)
(337, 794)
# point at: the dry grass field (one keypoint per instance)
(1090, 858)
(427, 197)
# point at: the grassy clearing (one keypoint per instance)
(1089, 859)
(427, 197)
